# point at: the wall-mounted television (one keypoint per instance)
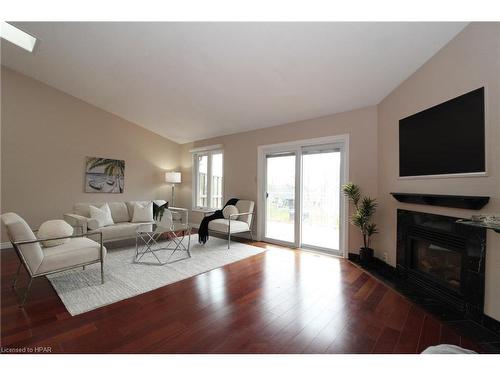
(448, 138)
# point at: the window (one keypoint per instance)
(202, 189)
(17, 36)
(208, 179)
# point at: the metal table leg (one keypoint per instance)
(148, 243)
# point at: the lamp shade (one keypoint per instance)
(173, 177)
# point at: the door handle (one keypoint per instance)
(267, 195)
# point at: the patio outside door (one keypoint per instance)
(321, 198)
(280, 202)
(302, 197)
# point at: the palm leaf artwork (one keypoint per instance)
(104, 175)
(364, 210)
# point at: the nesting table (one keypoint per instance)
(147, 242)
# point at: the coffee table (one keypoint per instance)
(147, 242)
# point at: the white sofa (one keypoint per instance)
(122, 213)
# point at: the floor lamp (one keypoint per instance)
(173, 178)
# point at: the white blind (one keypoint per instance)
(280, 154)
(318, 149)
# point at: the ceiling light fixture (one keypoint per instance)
(17, 36)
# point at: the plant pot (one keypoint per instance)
(365, 255)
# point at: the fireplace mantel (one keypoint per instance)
(456, 201)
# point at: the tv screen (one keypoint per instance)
(445, 139)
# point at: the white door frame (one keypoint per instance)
(296, 146)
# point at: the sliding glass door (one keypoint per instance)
(321, 198)
(302, 196)
(280, 202)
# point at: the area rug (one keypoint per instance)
(81, 290)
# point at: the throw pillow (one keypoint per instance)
(52, 229)
(229, 210)
(166, 219)
(143, 212)
(102, 216)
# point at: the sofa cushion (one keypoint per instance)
(142, 212)
(19, 230)
(222, 225)
(102, 215)
(76, 251)
(130, 207)
(119, 231)
(119, 212)
(245, 206)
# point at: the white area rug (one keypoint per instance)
(82, 291)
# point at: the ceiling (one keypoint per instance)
(191, 81)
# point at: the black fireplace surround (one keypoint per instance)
(443, 258)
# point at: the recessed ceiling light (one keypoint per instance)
(17, 36)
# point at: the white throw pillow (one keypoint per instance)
(166, 220)
(55, 228)
(102, 216)
(143, 212)
(230, 210)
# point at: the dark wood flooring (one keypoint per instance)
(280, 301)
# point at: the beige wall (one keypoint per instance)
(240, 154)
(45, 138)
(469, 61)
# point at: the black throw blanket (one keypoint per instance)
(203, 230)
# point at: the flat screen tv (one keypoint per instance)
(445, 139)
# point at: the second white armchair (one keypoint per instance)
(240, 222)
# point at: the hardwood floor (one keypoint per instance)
(280, 301)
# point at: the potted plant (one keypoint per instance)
(364, 209)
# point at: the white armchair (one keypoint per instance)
(236, 223)
(39, 260)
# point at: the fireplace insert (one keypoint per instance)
(444, 259)
(442, 265)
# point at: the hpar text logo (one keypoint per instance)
(43, 349)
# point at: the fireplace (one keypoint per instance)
(442, 265)
(444, 259)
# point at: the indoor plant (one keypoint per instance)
(364, 210)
